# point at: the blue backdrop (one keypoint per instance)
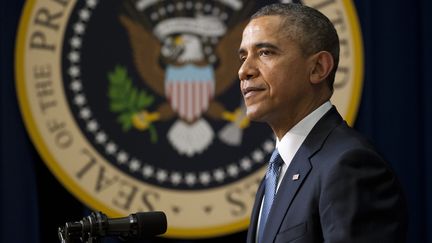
(395, 113)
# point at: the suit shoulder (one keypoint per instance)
(344, 143)
(345, 138)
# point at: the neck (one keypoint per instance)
(282, 125)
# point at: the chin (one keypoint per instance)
(254, 114)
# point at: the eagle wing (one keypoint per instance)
(227, 51)
(145, 50)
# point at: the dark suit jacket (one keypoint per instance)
(345, 192)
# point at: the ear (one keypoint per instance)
(322, 64)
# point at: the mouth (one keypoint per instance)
(250, 91)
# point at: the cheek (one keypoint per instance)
(278, 84)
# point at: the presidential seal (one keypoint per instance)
(134, 105)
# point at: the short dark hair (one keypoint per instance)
(311, 29)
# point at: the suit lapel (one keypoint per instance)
(296, 174)
(300, 165)
(251, 235)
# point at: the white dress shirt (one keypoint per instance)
(293, 139)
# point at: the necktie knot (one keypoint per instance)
(275, 158)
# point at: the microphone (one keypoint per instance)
(97, 224)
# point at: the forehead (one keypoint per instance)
(265, 28)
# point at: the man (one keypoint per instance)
(325, 183)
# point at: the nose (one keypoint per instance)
(248, 70)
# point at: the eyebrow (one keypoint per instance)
(266, 45)
(259, 46)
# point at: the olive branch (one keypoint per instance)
(126, 100)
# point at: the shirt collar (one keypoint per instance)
(292, 140)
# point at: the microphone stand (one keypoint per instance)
(75, 232)
(93, 228)
(66, 239)
(93, 240)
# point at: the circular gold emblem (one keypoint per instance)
(134, 105)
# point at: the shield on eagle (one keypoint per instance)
(189, 89)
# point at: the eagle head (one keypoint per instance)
(182, 49)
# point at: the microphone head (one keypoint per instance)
(151, 223)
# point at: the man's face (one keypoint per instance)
(274, 75)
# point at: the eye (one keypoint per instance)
(242, 58)
(265, 52)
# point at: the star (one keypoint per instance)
(76, 85)
(162, 11)
(190, 179)
(246, 164)
(189, 5)
(268, 146)
(207, 8)
(212, 58)
(233, 170)
(215, 11)
(170, 8)
(147, 171)
(80, 99)
(101, 137)
(74, 56)
(219, 175)
(111, 148)
(161, 175)
(204, 178)
(85, 113)
(141, 5)
(208, 50)
(134, 165)
(84, 14)
(75, 42)
(79, 28)
(122, 157)
(258, 155)
(92, 3)
(179, 6)
(74, 71)
(224, 16)
(154, 16)
(214, 40)
(176, 178)
(92, 126)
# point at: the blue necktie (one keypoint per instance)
(271, 181)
